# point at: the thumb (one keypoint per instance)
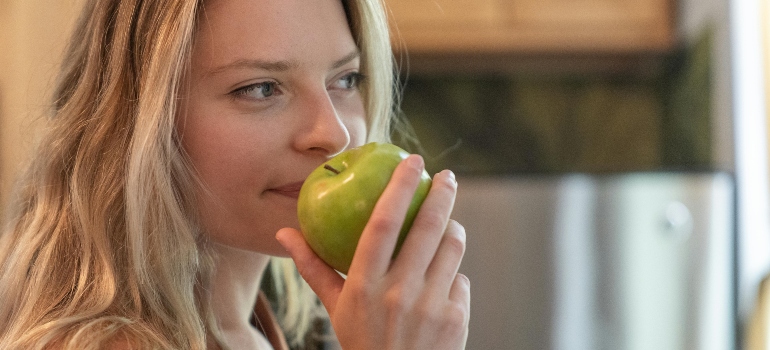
(323, 279)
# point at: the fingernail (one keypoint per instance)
(448, 176)
(415, 161)
(451, 176)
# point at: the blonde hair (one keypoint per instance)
(103, 244)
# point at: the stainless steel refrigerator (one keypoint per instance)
(579, 262)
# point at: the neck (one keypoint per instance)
(235, 286)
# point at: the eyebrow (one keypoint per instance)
(345, 60)
(277, 66)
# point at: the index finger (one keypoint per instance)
(378, 240)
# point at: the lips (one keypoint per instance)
(288, 190)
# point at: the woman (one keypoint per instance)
(168, 178)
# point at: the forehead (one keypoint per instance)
(299, 30)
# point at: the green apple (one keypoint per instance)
(337, 199)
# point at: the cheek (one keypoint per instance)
(354, 117)
(216, 152)
(221, 153)
(357, 131)
(231, 204)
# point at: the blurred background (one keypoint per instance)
(611, 154)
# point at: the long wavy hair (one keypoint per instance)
(102, 242)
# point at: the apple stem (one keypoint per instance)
(330, 168)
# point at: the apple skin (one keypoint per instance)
(333, 208)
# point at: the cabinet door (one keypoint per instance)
(600, 13)
(519, 26)
(415, 15)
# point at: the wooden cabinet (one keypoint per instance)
(532, 26)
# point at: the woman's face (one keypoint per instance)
(270, 96)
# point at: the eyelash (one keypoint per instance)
(244, 91)
(356, 77)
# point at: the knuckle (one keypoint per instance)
(355, 287)
(455, 241)
(305, 265)
(447, 318)
(396, 301)
(427, 314)
(431, 219)
(456, 318)
(382, 223)
(362, 292)
(302, 268)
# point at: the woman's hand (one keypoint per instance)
(418, 300)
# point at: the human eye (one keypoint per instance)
(349, 81)
(257, 91)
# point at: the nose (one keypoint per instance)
(322, 131)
